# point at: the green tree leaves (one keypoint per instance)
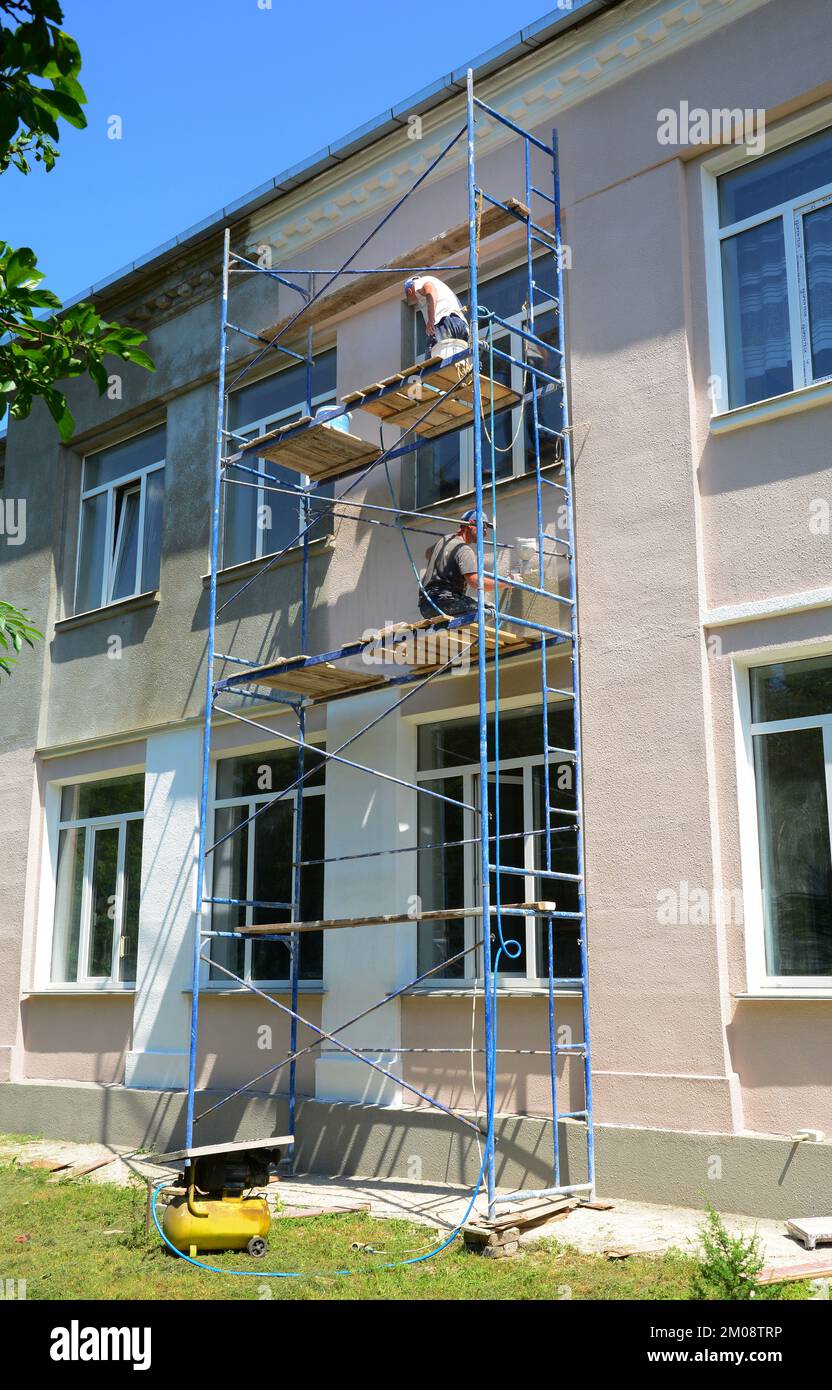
(37, 351)
(15, 629)
(39, 67)
(41, 344)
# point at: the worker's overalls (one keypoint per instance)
(443, 590)
(451, 326)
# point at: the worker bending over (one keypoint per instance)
(440, 308)
(452, 571)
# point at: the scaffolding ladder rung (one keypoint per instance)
(533, 873)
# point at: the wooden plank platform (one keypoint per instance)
(325, 680)
(321, 680)
(356, 288)
(277, 1141)
(467, 642)
(539, 909)
(317, 450)
(450, 389)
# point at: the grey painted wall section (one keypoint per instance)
(751, 1175)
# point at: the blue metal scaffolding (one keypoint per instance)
(476, 373)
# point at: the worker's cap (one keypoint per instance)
(409, 284)
(470, 519)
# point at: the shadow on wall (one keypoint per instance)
(79, 1039)
(784, 1064)
(782, 450)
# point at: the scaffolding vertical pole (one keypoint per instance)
(490, 997)
(209, 699)
(544, 683)
(297, 872)
(576, 666)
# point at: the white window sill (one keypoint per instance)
(784, 995)
(503, 992)
(79, 991)
(250, 567)
(791, 403)
(110, 610)
(238, 991)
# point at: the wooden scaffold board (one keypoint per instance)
(319, 679)
(537, 909)
(317, 450)
(323, 680)
(432, 401)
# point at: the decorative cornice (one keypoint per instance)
(532, 91)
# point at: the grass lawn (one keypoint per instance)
(67, 1255)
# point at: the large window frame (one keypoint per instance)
(133, 483)
(266, 496)
(535, 976)
(92, 827)
(758, 979)
(249, 802)
(792, 213)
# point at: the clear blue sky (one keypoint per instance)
(215, 97)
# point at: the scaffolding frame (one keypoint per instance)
(485, 631)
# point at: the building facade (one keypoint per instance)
(696, 167)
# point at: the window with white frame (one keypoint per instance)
(449, 876)
(775, 247)
(122, 501)
(258, 517)
(254, 861)
(791, 732)
(445, 467)
(96, 928)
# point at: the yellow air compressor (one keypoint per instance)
(213, 1212)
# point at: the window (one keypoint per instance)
(96, 932)
(122, 497)
(791, 731)
(258, 522)
(445, 467)
(775, 241)
(449, 764)
(255, 863)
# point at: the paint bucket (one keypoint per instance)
(334, 417)
(449, 347)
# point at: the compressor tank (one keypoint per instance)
(229, 1223)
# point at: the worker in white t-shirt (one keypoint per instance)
(440, 308)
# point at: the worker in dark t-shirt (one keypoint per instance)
(452, 572)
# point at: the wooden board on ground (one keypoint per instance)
(789, 1274)
(84, 1168)
(340, 1209)
(318, 451)
(539, 909)
(433, 402)
(356, 288)
(533, 1213)
(277, 1141)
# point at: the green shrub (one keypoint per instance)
(728, 1265)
